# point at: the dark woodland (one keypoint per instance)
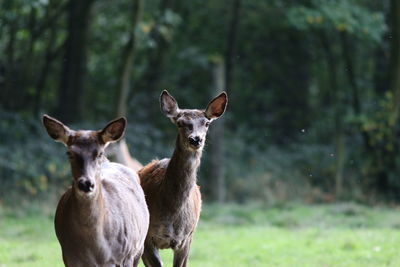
(313, 85)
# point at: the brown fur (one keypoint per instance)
(170, 188)
(174, 203)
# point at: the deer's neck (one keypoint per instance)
(88, 211)
(181, 174)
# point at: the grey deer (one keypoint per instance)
(102, 219)
(172, 194)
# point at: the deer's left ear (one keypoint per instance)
(113, 131)
(217, 106)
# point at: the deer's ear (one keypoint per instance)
(56, 129)
(113, 131)
(169, 106)
(217, 106)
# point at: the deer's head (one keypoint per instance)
(85, 150)
(193, 123)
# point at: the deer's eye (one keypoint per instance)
(189, 126)
(186, 125)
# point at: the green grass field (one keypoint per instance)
(252, 235)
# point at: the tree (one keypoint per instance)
(127, 59)
(394, 71)
(52, 51)
(217, 151)
(223, 76)
(72, 84)
(333, 23)
(121, 149)
(384, 125)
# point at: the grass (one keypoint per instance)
(253, 235)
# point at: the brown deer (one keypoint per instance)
(170, 188)
(102, 219)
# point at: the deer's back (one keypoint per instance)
(117, 234)
(169, 227)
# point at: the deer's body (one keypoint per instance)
(172, 194)
(107, 230)
(173, 199)
(102, 220)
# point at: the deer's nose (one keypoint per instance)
(85, 185)
(195, 141)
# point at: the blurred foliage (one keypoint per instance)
(383, 161)
(342, 16)
(29, 164)
(306, 74)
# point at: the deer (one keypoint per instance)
(102, 219)
(170, 185)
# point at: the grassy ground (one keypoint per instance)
(232, 235)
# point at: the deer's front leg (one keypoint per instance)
(137, 258)
(181, 255)
(151, 257)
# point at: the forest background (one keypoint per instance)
(313, 85)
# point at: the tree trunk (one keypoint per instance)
(9, 68)
(350, 71)
(125, 82)
(335, 103)
(355, 92)
(50, 55)
(340, 154)
(50, 52)
(127, 59)
(71, 92)
(222, 77)
(27, 72)
(121, 150)
(381, 60)
(394, 71)
(217, 170)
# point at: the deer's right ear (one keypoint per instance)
(56, 129)
(169, 106)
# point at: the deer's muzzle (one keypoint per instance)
(195, 141)
(85, 185)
